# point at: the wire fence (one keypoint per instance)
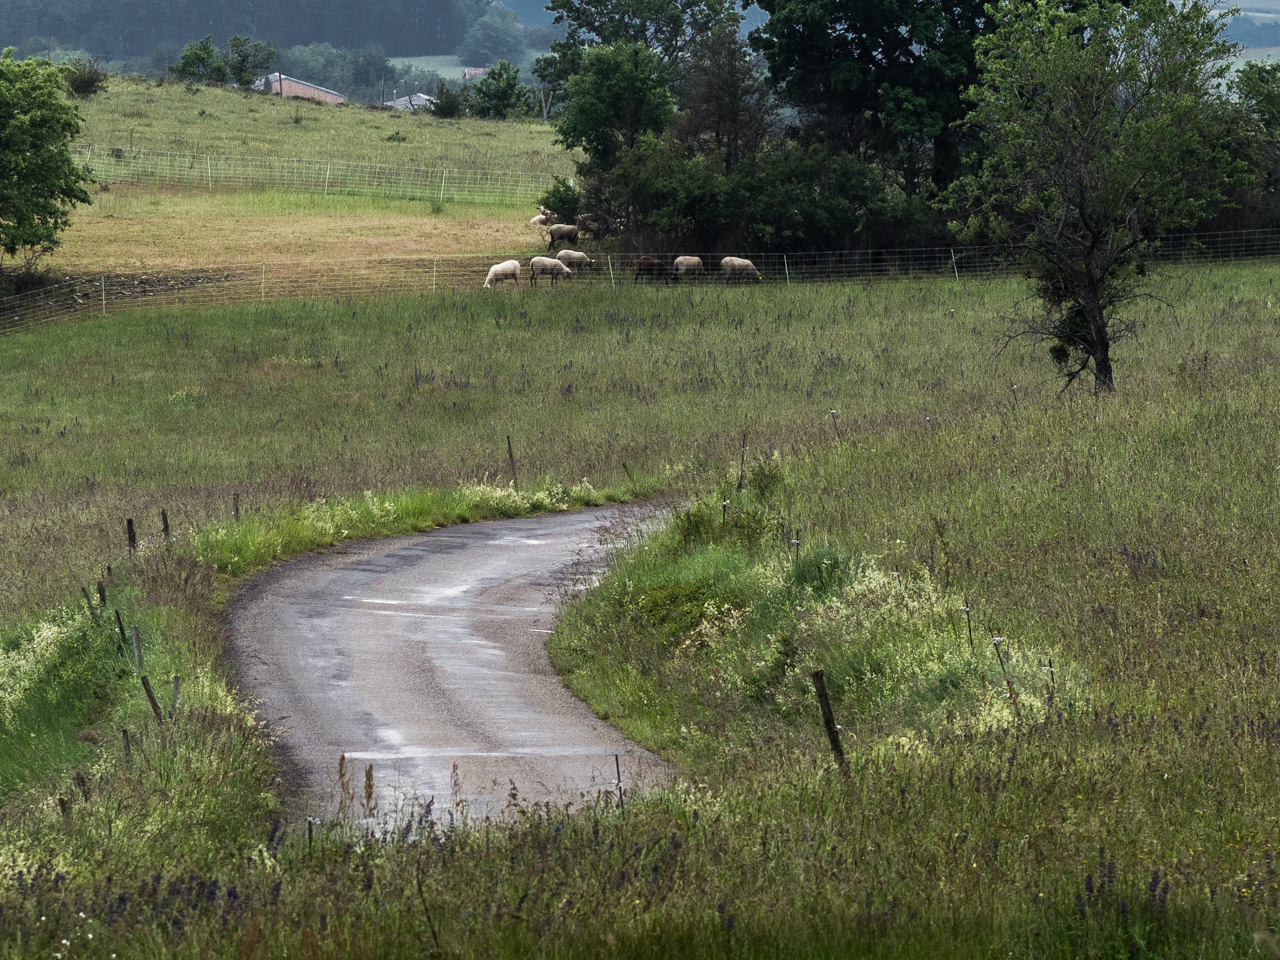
(425, 275)
(117, 165)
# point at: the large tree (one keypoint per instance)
(39, 181)
(882, 77)
(1104, 126)
(619, 95)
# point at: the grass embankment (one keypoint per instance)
(1124, 807)
(137, 114)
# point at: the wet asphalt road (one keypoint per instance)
(425, 655)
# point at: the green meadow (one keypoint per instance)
(1045, 620)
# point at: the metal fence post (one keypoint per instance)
(434, 265)
(787, 269)
(611, 280)
(264, 282)
(208, 163)
(104, 294)
(328, 170)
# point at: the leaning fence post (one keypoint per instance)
(829, 719)
(611, 280)
(155, 706)
(953, 264)
(787, 269)
(327, 171)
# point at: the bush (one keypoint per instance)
(564, 200)
(499, 93)
(84, 77)
(449, 103)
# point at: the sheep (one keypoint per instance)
(689, 267)
(562, 233)
(540, 220)
(575, 258)
(539, 266)
(506, 270)
(737, 267)
(652, 267)
(543, 211)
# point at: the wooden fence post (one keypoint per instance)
(829, 719)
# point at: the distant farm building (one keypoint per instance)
(419, 101)
(279, 85)
(473, 73)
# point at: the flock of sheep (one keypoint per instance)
(566, 261)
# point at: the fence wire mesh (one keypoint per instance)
(424, 275)
(117, 165)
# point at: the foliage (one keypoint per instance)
(500, 94)
(784, 198)
(880, 78)
(450, 103)
(246, 59)
(619, 95)
(39, 182)
(201, 62)
(84, 77)
(495, 37)
(563, 199)
(1103, 128)
(666, 27)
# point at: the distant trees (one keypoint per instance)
(1103, 127)
(39, 181)
(495, 36)
(240, 61)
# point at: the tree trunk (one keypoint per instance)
(1103, 378)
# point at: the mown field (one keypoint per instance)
(132, 228)
(1100, 782)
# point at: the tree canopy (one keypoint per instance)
(1103, 127)
(39, 181)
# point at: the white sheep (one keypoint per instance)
(543, 211)
(688, 267)
(562, 233)
(575, 258)
(545, 266)
(540, 220)
(506, 270)
(737, 267)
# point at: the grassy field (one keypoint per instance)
(140, 114)
(138, 228)
(449, 67)
(1120, 803)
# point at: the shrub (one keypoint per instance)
(84, 77)
(563, 199)
(449, 103)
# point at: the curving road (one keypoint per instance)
(425, 657)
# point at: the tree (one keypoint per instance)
(39, 181)
(620, 94)
(495, 36)
(246, 59)
(877, 76)
(726, 106)
(500, 93)
(1103, 128)
(201, 63)
(666, 27)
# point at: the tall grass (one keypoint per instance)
(1119, 805)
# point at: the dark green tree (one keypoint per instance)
(877, 76)
(620, 94)
(201, 62)
(495, 36)
(499, 93)
(666, 27)
(39, 181)
(1103, 128)
(246, 59)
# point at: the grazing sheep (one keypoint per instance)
(540, 220)
(543, 211)
(540, 266)
(689, 267)
(576, 259)
(733, 267)
(506, 270)
(654, 268)
(562, 233)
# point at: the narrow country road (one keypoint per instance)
(425, 657)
